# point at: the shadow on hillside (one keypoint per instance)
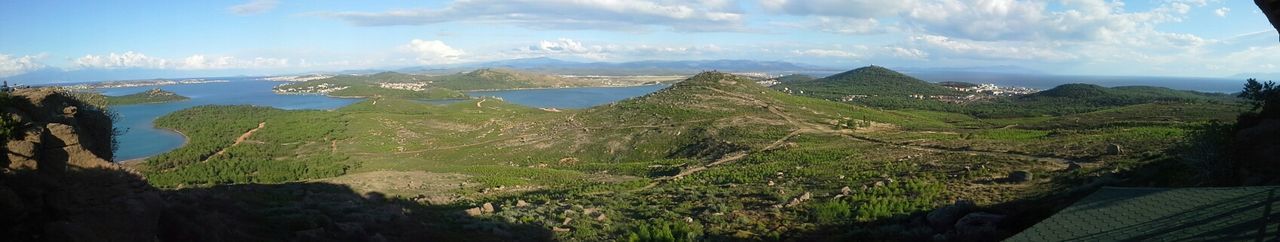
(324, 212)
(110, 204)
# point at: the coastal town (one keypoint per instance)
(323, 88)
(140, 83)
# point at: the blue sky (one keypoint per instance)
(1093, 37)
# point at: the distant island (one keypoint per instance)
(150, 96)
(453, 86)
(141, 83)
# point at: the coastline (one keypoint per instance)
(185, 140)
(550, 88)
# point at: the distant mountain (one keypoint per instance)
(57, 75)
(1118, 96)
(871, 81)
(1079, 98)
(551, 65)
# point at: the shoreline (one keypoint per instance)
(185, 140)
(480, 90)
(549, 88)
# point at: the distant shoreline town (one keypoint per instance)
(140, 83)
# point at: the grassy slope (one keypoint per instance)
(439, 87)
(600, 156)
(150, 96)
(497, 79)
(367, 86)
(872, 80)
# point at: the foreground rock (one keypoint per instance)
(57, 183)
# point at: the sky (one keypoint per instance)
(1203, 38)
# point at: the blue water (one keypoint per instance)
(569, 97)
(141, 139)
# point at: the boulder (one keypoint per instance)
(1020, 176)
(1114, 149)
(978, 226)
(473, 211)
(942, 219)
(798, 200)
(22, 154)
(1073, 166)
(521, 203)
(487, 208)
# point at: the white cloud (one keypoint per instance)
(705, 15)
(12, 65)
(128, 59)
(958, 48)
(202, 62)
(565, 47)
(434, 51)
(1222, 12)
(131, 60)
(825, 53)
(850, 25)
(841, 8)
(907, 53)
(989, 20)
(254, 7)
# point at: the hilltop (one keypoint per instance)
(873, 81)
(155, 95)
(1082, 98)
(501, 79)
(387, 84)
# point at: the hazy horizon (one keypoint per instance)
(1177, 38)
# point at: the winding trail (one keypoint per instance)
(239, 140)
(804, 127)
(964, 151)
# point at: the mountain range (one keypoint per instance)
(650, 67)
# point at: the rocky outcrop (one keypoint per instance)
(57, 183)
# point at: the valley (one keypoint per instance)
(715, 153)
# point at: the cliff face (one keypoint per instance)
(56, 180)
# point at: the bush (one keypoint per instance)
(832, 211)
(664, 232)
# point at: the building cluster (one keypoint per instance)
(302, 78)
(411, 86)
(761, 75)
(323, 88)
(142, 83)
(850, 98)
(992, 89)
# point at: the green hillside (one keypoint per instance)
(1082, 98)
(740, 160)
(873, 81)
(150, 96)
(413, 86)
(400, 85)
(499, 79)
